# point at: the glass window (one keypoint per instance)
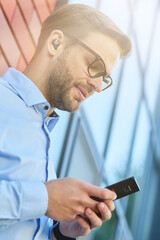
(145, 8)
(140, 148)
(108, 229)
(152, 72)
(156, 119)
(98, 109)
(124, 120)
(145, 202)
(138, 166)
(82, 163)
(114, 10)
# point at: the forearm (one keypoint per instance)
(21, 200)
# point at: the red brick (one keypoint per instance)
(35, 26)
(21, 64)
(42, 9)
(7, 42)
(3, 65)
(9, 8)
(22, 35)
(51, 4)
(27, 9)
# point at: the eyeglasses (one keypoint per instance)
(97, 68)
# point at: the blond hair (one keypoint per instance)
(80, 20)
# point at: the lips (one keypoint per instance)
(82, 93)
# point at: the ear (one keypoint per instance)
(55, 42)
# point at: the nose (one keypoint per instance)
(96, 83)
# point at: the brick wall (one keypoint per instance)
(20, 24)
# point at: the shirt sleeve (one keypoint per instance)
(22, 200)
(55, 223)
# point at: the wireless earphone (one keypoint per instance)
(56, 43)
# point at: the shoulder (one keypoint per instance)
(8, 95)
(6, 90)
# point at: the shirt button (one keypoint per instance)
(46, 107)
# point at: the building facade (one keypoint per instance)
(115, 134)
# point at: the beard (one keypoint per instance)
(59, 86)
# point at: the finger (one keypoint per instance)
(110, 204)
(104, 211)
(93, 218)
(85, 224)
(93, 205)
(102, 193)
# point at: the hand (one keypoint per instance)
(82, 226)
(69, 197)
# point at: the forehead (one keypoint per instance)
(106, 47)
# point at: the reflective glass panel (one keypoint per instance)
(114, 10)
(140, 147)
(98, 109)
(124, 120)
(152, 72)
(108, 229)
(145, 8)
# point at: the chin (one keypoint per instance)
(72, 108)
(68, 108)
(69, 104)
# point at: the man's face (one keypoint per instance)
(69, 83)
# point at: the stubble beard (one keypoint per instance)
(59, 85)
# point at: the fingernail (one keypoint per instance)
(115, 197)
(89, 211)
(102, 205)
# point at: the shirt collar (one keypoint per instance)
(26, 89)
(30, 94)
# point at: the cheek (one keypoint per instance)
(72, 93)
(77, 66)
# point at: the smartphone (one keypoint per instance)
(123, 188)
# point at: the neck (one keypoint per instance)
(37, 72)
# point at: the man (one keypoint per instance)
(77, 49)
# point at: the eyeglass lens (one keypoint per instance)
(96, 68)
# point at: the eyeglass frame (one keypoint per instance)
(104, 73)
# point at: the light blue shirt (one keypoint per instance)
(25, 162)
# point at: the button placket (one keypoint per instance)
(46, 107)
(47, 147)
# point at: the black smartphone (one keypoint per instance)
(123, 188)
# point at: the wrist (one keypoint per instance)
(59, 236)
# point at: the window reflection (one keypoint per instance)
(124, 120)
